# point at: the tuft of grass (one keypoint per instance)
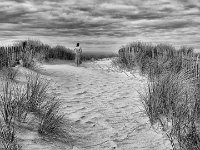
(53, 125)
(17, 102)
(60, 52)
(21, 103)
(9, 73)
(8, 138)
(36, 93)
(8, 107)
(172, 97)
(7, 104)
(117, 62)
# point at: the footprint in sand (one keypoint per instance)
(80, 93)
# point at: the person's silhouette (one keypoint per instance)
(78, 51)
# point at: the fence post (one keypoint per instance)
(187, 62)
(197, 67)
(183, 65)
(1, 54)
(133, 52)
(9, 56)
(152, 53)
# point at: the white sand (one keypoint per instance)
(104, 106)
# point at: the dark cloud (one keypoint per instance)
(119, 20)
(172, 25)
(18, 1)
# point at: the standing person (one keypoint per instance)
(78, 51)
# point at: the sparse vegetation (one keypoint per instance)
(60, 52)
(29, 52)
(17, 102)
(9, 73)
(172, 96)
(8, 108)
(8, 138)
(53, 125)
(36, 93)
(171, 101)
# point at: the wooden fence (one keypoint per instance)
(10, 55)
(191, 63)
(189, 60)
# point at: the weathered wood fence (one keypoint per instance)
(191, 63)
(10, 55)
(189, 60)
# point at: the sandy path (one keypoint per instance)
(106, 107)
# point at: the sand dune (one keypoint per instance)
(104, 104)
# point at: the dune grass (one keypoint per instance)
(36, 93)
(8, 109)
(9, 73)
(60, 52)
(153, 60)
(18, 102)
(7, 104)
(53, 124)
(8, 138)
(171, 99)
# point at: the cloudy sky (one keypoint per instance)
(101, 25)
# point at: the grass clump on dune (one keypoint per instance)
(171, 101)
(19, 102)
(53, 124)
(9, 73)
(8, 109)
(36, 90)
(7, 104)
(60, 52)
(8, 138)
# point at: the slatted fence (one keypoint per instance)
(190, 61)
(9, 55)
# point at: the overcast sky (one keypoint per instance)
(101, 25)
